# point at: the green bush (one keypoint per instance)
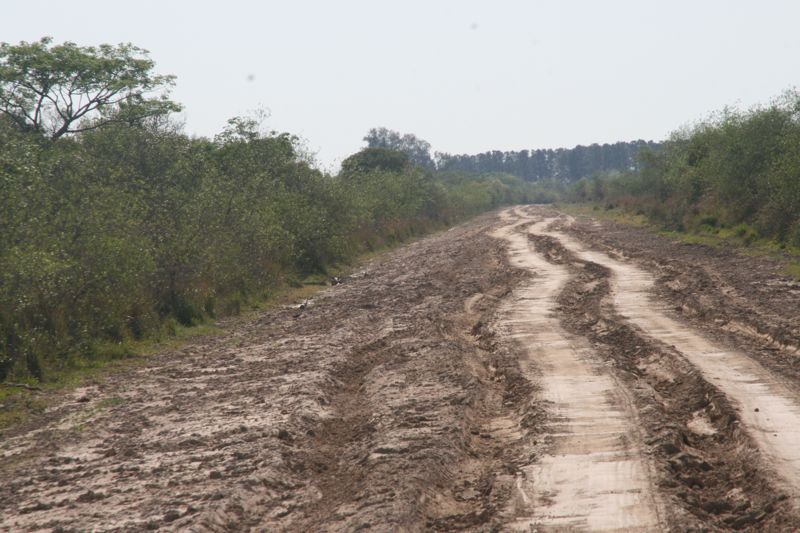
(133, 229)
(737, 168)
(746, 233)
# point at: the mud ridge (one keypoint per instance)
(738, 299)
(407, 442)
(707, 465)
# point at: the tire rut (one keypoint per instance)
(708, 464)
(590, 472)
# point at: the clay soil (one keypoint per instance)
(430, 391)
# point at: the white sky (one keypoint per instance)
(467, 76)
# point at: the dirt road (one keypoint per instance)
(593, 473)
(525, 371)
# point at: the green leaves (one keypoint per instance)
(370, 159)
(60, 89)
(417, 150)
(740, 167)
(129, 224)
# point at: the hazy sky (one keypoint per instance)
(467, 76)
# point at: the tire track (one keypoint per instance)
(593, 474)
(707, 466)
(767, 407)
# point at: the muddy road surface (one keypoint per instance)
(526, 371)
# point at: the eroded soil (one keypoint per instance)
(525, 371)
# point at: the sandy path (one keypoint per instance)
(593, 475)
(768, 409)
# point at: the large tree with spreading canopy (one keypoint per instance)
(60, 89)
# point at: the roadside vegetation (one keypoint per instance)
(116, 226)
(733, 179)
(736, 173)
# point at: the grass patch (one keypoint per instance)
(793, 270)
(705, 239)
(18, 405)
(108, 403)
(83, 421)
(614, 214)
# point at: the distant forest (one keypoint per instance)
(562, 164)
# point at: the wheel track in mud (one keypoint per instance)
(769, 409)
(711, 469)
(591, 473)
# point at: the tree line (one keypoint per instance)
(559, 165)
(737, 171)
(116, 225)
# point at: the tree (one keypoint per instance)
(418, 150)
(66, 88)
(375, 158)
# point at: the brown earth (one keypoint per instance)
(737, 297)
(405, 399)
(707, 465)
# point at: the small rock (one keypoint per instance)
(171, 515)
(214, 474)
(756, 409)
